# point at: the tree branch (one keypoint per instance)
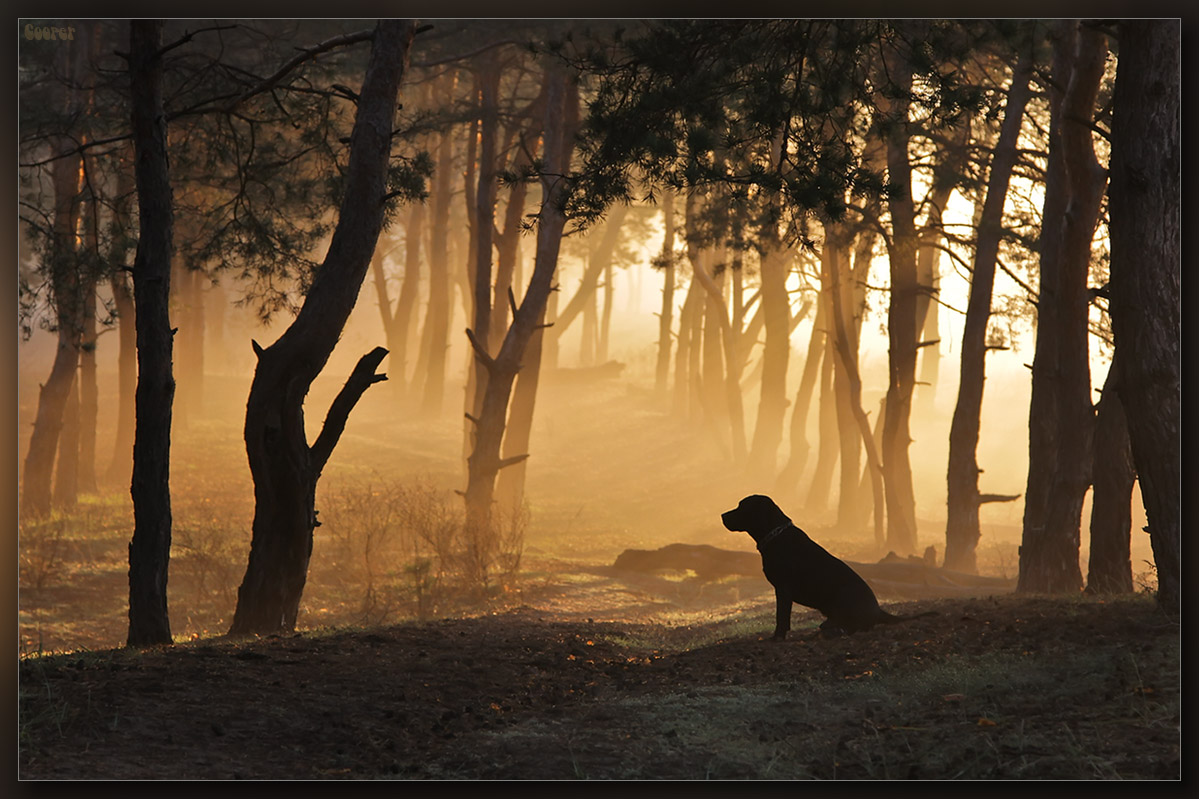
(515, 459)
(985, 498)
(305, 54)
(362, 378)
(480, 351)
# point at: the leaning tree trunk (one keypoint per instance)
(901, 323)
(962, 531)
(1049, 547)
(149, 551)
(284, 467)
(1146, 277)
(485, 462)
(584, 296)
(1109, 570)
(510, 484)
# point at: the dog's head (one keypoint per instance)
(756, 515)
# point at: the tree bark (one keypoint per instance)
(1050, 544)
(89, 394)
(66, 465)
(1146, 277)
(285, 469)
(797, 457)
(666, 316)
(435, 339)
(776, 354)
(827, 448)
(120, 469)
(962, 531)
(684, 404)
(150, 548)
(398, 321)
(901, 322)
(1109, 570)
(66, 292)
(847, 365)
(487, 81)
(485, 462)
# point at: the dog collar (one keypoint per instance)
(773, 534)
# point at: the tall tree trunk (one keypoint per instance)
(285, 469)
(828, 443)
(66, 293)
(549, 344)
(399, 321)
(666, 316)
(683, 404)
(928, 258)
(487, 79)
(776, 353)
(964, 499)
(66, 466)
(510, 485)
(1049, 550)
(590, 332)
(189, 310)
(1109, 570)
(728, 380)
(1146, 277)
(89, 396)
(435, 339)
(485, 461)
(835, 263)
(150, 549)
(120, 469)
(901, 322)
(845, 344)
(605, 317)
(797, 458)
(599, 257)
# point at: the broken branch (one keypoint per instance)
(362, 378)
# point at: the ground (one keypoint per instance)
(997, 688)
(572, 668)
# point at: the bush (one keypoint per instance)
(401, 548)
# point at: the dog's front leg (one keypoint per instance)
(782, 615)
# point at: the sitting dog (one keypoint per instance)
(803, 572)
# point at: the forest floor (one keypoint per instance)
(997, 688)
(570, 668)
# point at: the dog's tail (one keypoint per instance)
(891, 618)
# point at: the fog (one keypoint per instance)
(612, 465)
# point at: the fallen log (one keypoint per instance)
(891, 577)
